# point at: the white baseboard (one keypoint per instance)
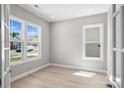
(74, 67)
(28, 72)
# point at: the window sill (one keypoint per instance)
(22, 62)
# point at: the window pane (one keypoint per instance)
(118, 63)
(15, 41)
(32, 34)
(32, 50)
(92, 50)
(32, 42)
(92, 34)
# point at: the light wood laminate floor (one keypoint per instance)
(58, 77)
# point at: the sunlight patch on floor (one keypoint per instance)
(84, 74)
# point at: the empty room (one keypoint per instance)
(61, 46)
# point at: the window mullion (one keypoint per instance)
(24, 43)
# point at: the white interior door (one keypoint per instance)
(4, 46)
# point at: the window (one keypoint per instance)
(93, 41)
(24, 41)
(15, 40)
(33, 42)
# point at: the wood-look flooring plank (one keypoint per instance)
(58, 77)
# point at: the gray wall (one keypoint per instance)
(21, 13)
(66, 42)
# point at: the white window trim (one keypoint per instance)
(24, 41)
(101, 25)
(40, 41)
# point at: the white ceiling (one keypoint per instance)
(58, 12)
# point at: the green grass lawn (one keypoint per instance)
(15, 59)
(31, 56)
(18, 58)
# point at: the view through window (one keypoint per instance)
(17, 41)
(32, 42)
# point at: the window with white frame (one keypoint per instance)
(25, 40)
(93, 41)
(16, 28)
(33, 41)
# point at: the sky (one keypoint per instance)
(32, 30)
(15, 26)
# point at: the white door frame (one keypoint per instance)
(119, 47)
(5, 69)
